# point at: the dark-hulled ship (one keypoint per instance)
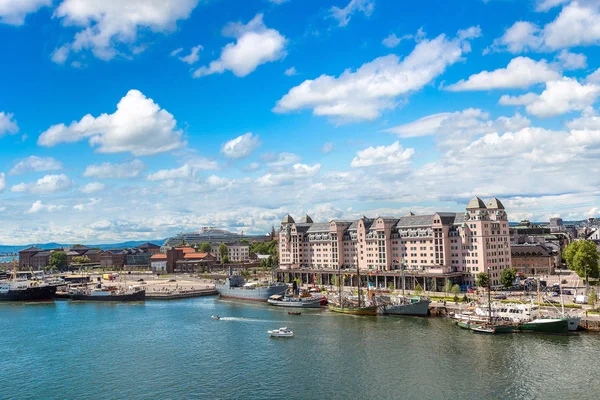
(26, 290)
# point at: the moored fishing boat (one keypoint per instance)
(401, 305)
(235, 287)
(281, 332)
(299, 301)
(544, 325)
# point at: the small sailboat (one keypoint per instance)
(483, 329)
(281, 332)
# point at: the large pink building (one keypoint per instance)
(440, 244)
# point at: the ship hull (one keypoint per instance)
(261, 294)
(417, 309)
(354, 310)
(137, 296)
(544, 326)
(43, 293)
(316, 303)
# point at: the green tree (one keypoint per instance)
(483, 280)
(592, 298)
(81, 259)
(205, 248)
(223, 252)
(245, 241)
(58, 259)
(582, 257)
(225, 260)
(448, 286)
(455, 291)
(507, 278)
(418, 290)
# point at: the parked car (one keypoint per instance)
(567, 292)
(141, 280)
(172, 280)
(564, 282)
(552, 301)
(554, 294)
(500, 297)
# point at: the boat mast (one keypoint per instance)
(489, 300)
(358, 272)
(403, 280)
(539, 298)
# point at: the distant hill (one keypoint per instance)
(15, 249)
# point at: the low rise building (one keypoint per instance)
(236, 252)
(533, 259)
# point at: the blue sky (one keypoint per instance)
(233, 113)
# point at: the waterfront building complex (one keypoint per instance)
(443, 244)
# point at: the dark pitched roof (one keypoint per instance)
(79, 247)
(30, 249)
(148, 246)
(43, 253)
(91, 252)
(530, 250)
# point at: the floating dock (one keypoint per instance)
(180, 295)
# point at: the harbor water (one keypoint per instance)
(174, 350)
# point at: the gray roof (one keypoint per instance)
(30, 249)
(495, 203)
(302, 227)
(319, 227)
(530, 249)
(414, 220)
(92, 252)
(447, 217)
(475, 202)
(43, 253)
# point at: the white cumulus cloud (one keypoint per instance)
(241, 147)
(342, 15)
(39, 206)
(471, 121)
(13, 12)
(255, 45)
(92, 187)
(139, 126)
(8, 124)
(183, 172)
(45, 185)
(291, 71)
(392, 40)
(35, 164)
(559, 97)
(288, 176)
(108, 25)
(521, 72)
(115, 171)
(364, 94)
(193, 56)
(392, 155)
(577, 24)
(2, 181)
(570, 60)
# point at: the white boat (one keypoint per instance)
(515, 312)
(297, 301)
(281, 332)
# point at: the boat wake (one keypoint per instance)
(244, 319)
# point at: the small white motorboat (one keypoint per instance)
(281, 332)
(216, 317)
